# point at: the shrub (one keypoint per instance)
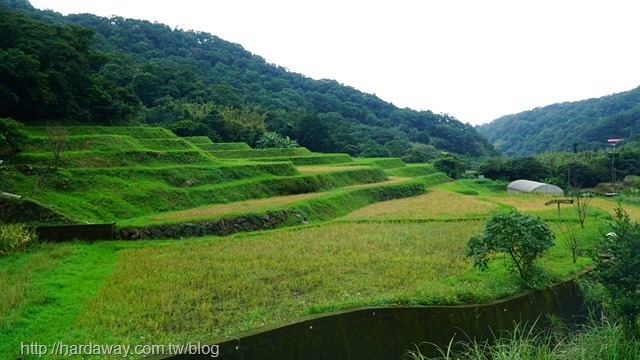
(15, 238)
(13, 134)
(523, 237)
(619, 271)
(275, 140)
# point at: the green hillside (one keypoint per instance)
(127, 71)
(571, 126)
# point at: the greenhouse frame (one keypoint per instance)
(528, 186)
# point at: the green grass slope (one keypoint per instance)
(259, 153)
(114, 173)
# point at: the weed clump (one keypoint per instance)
(16, 238)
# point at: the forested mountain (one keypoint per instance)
(570, 126)
(89, 69)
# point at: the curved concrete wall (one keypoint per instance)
(387, 333)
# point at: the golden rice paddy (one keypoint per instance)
(217, 210)
(222, 286)
(436, 204)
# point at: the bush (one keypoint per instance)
(523, 237)
(15, 238)
(275, 140)
(619, 271)
(13, 134)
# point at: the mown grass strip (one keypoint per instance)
(45, 291)
(392, 180)
(339, 204)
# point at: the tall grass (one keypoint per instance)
(15, 238)
(222, 286)
(596, 341)
(522, 343)
(596, 337)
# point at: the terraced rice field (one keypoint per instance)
(436, 204)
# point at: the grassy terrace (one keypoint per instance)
(357, 250)
(240, 207)
(115, 173)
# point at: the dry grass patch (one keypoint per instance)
(213, 211)
(436, 204)
(536, 203)
(609, 206)
(202, 290)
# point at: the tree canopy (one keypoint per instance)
(84, 68)
(570, 126)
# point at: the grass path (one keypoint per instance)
(45, 291)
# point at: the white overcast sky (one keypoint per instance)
(475, 60)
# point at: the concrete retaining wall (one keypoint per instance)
(89, 232)
(387, 333)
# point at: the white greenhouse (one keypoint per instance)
(528, 186)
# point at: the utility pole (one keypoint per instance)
(613, 143)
